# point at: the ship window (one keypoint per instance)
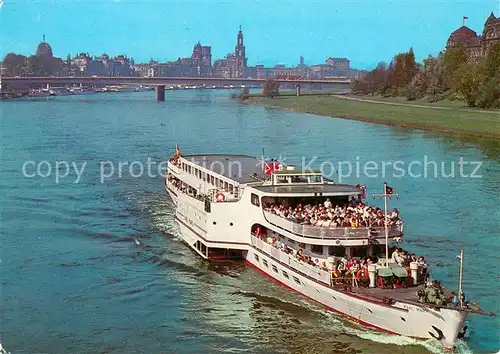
(318, 249)
(299, 179)
(275, 269)
(359, 251)
(212, 180)
(226, 187)
(265, 262)
(315, 179)
(338, 251)
(281, 179)
(378, 249)
(255, 199)
(296, 280)
(285, 274)
(256, 257)
(231, 188)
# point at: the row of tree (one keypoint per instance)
(20, 65)
(450, 75)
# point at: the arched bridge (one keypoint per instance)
(159, 82)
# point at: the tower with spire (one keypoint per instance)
(239, 50)
(235, 64)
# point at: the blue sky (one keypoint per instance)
(366, 32)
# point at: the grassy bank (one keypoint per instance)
(448, 117)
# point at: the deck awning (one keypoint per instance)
(400, 272)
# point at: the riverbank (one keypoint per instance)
(447, 118)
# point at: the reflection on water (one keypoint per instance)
(99, 267)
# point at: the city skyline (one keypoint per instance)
(138, 33)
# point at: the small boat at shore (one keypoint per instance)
(39, 93)
(317, 238)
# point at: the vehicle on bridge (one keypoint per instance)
(288, 77)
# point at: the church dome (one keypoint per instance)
(44, 49)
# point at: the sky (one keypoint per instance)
(275, 31)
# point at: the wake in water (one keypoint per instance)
(2, 350)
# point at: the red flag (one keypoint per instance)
(270, 167)
(388, 190)
(466, 18)
(177, 151)
(362, 188)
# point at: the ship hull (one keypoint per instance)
(404, 319)
(412, 320)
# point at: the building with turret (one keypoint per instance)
(202, 59)
(235, 64)
(477, 45)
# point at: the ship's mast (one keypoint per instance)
(386, 196)
(461, 272)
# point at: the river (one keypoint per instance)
(92, 262)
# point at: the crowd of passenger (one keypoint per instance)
(354, 214)
(346, 267)
(183, 188)
(175, 161)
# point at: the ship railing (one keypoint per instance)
(331, 232)
(174, 167)
(282, 257)
(229, 196)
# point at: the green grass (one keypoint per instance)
(454, 119)
(403, 100)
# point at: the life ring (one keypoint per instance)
(219, 197)
(361, 273)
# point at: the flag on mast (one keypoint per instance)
(388, 190)
(177, 151)
(465, 18)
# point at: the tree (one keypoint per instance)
(489, 94)
(14, 64)
(433, 68)
(244, 94)
(452, 60)
(411, 67)
(492, 62)
(467, 81)
(417, 87)
(271, 88)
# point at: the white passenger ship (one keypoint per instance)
(220, 208)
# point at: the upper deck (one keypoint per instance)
(241, 169)
(312, 189)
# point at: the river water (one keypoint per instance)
(94, 264)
